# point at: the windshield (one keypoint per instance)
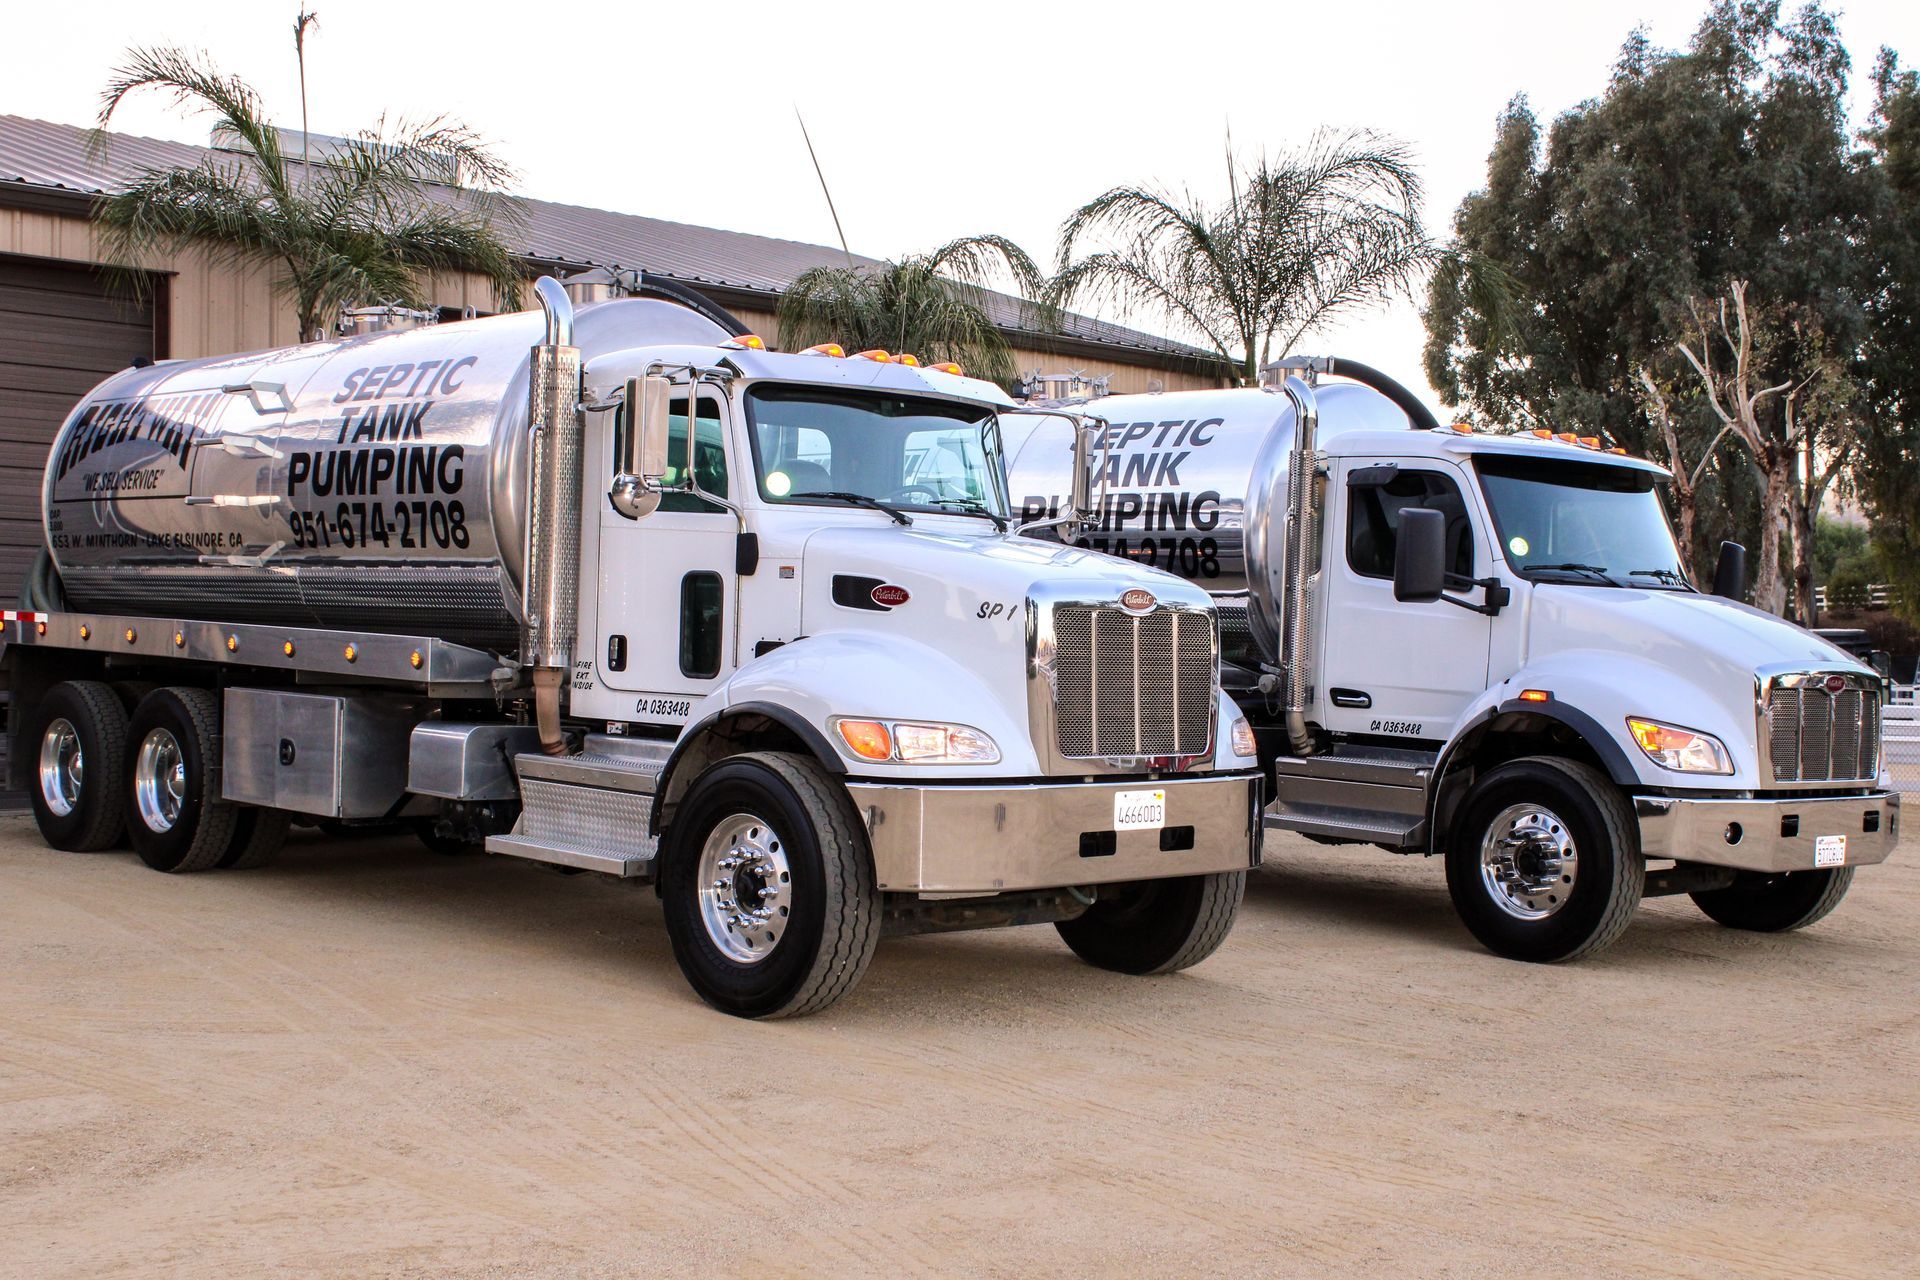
(1580, 522)
(845, 446)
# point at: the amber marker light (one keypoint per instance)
(132, 635)
(1542, 433)
(179, 640)
(40, 628)
(948, 366)
(233, 644)
(751, 342)
(833, 349)
(86, 632)
(867, 739)
(911, 361)
(287, 648)
(1535, 695)
(876, 355)
(1463, 428)
(415, 661)
(351, 653)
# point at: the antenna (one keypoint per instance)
(823, 185)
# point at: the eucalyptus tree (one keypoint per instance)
(368, 221)
(935, 305)
(1301, 238)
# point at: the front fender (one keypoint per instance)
(881, 678)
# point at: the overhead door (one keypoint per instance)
(61, 331)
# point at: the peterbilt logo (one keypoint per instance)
(1836, 683)
(888, 596)
(1138, 600)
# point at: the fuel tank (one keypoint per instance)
(375, 483)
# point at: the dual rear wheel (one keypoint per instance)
(149, 775)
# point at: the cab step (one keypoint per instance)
(1373, 795)
(589, 811)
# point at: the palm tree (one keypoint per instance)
(365, 224)
(1303, 237)
(934, 305)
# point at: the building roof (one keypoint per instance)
(49, 159)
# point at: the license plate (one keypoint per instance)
(1829, 851)
(1139, 810)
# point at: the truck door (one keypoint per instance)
(1388, 669)
(667, 584)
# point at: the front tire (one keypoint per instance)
(1157, 926)
(1766, 903)
(79, 741)
(1545, 864)
(767, 887)
(174, 812)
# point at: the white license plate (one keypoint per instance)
(1139, 810)
(1829, 851)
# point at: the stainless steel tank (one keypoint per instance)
(1178, 471)
(375, 483)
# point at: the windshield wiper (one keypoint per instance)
(858, 500)
(972, 506)
(1597, 570)
(1662, 575)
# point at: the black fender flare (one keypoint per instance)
(1441, 800)
(785, 717)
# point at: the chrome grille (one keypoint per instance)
(1129, 685)
(1817, 735)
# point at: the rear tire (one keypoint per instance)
(767, 887)
(79, 747)
(1545, 864)
(174, 812)
(1157, 926)
(257, 836)
(1776, 903)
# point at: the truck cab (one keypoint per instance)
(1487, 646)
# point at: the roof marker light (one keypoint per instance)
(948, 366)
(1463, 428)
(911, 361)
(1617, 449)
(1542, 433)
(833, 349)
(876, 355)
(1591, 442)
(1566, 437)
(749, 341)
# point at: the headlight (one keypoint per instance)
(915, 742)
(1241, 736)
(1683, 750)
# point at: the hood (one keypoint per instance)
(961, 578)
(1683, 631)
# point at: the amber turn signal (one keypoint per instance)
(867, 739)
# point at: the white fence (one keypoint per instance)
(1901, 739)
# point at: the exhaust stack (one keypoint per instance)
(1303, 542)
(552, 591)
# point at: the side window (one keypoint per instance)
(1373, 521)
(700, 629)
(709, 454)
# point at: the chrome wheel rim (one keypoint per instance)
(745, 887)
(160, 780)
(1528, 862)
(63, 767)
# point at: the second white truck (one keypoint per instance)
(1488, 647)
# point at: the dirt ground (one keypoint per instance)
(369, 1060)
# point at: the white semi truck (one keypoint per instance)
(1487, 646)
(625, 592)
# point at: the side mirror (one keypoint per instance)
(1730, 574)
(636, 487)
(1420, 556)
(1082, 494)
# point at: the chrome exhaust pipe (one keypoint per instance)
(552, 592)
(1303, 545)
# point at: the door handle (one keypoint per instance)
(1350, 698)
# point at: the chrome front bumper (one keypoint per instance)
(1750, 835)
(962, 839)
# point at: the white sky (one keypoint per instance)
(932, 121)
